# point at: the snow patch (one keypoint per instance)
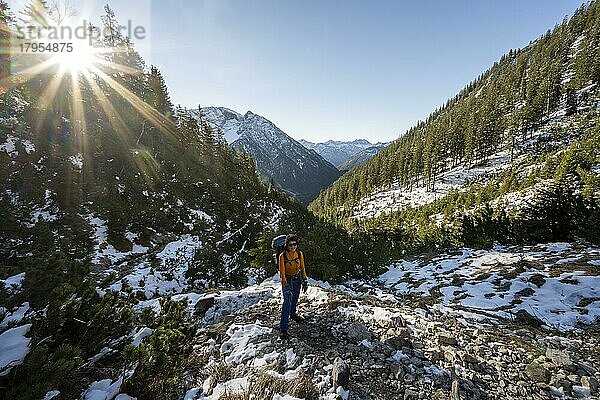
(51, 394)
(48, 212)
(15, 316)
(29, 146)
(9, 146)
(13, 284)
(238, 347)
(290, 357)
(14, 346)
(231, 387)
(103, 390)
(140, 335)
(167, 276)
(103, 251)
(77, 160)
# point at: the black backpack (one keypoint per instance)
(278, 246)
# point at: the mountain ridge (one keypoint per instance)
(337, 151)
(298, 171)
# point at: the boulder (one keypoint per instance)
(522, 317)
(447, 339)
(560, 358)
(587, 369)
(396, 338)
(340, 374)
(203, 305)
(538, 372)
(590, 383)
(358, 333)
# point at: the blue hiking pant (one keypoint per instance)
(291, 293)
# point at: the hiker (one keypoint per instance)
(293, 276)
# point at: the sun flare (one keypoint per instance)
(80, 59)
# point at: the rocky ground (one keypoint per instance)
(393, 350)
(505, 323)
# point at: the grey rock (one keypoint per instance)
(358, 333)
(396, 338)
(397, 321)
(522, 317)
(398, 372)
(340, 374)
(418, 353)
(591, 383)
(559, 357)
(468, 358)
(587, 368)
(416, 361)
(560, 380)
(454, 391)
(436, 355)
(203, 305)
(447, 339)
(450, 355)
(537, 372)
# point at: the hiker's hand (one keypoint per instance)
(304, 286)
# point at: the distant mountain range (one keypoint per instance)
(295, 169)
(336, 152)
(361, 157)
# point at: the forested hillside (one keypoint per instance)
(531, 120)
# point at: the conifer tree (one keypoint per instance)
(158, 94)
(6, 20)
(127, 66)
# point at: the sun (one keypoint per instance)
(78, 58)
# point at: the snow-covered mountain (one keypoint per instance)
(228, 121)
(361, 157)
(294, 168)
(337, 152)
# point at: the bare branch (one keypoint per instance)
(61, 10)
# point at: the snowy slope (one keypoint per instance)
(397, 197)
(412, 325)
(228, 121)
(555, 135)
(557, 282)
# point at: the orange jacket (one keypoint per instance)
(290, 262)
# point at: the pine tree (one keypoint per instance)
(5, 63)
(158, 94)
(571, 98)
(125, 64)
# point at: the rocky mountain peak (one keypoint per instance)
(295, 169)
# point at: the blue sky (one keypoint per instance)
(333, 69)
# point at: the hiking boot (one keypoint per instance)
(283, 335)
(297, 318)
